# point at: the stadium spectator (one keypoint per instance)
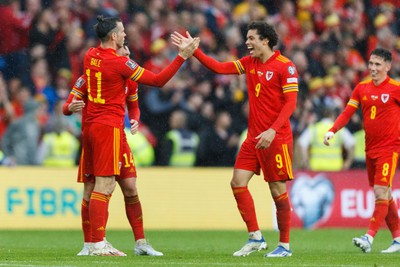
(180, 144)
(218, 144)
(14, 45)
(7, 113)
(272, 86)
(159, 103)
(379, 99)
(362, 25)
(317, 157)
(21, 140)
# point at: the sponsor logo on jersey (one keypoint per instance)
(252, 71)
(385, 98)
(269, 75)
(291, 70)
(79, 82)
(374, 97)
(259, 73)
(131, 64)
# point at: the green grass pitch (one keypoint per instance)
(331, 247)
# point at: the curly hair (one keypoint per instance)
(265, 31)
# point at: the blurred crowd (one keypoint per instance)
(43, 43)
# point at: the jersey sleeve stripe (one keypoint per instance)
(239, 66)
(133, 97)
(394, 82)
(282, 59)
(290, 88)
(354, 103)
(77, 92)
(137, 74)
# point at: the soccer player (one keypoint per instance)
(379, 99)
(272, 86)
(126, 180)
(106, 74)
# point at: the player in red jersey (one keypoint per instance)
(379, 98)
(106, 73)
(272, 86)
(126, 180)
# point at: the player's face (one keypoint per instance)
(256, 46)
(120, 35)
(378, 68)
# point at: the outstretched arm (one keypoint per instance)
(340, 122)
(186, 50)
(232, 67)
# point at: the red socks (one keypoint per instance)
(133, 210)
(85, 221)
(392, 219)
(380, 213)
(246, 208)
(98, 213)
(283, 216)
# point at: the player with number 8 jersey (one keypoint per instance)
(379, 99)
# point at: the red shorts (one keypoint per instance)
(128, 168)
(275, 161)
(381, 169)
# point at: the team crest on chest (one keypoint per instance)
(384, 98)
(269, 75)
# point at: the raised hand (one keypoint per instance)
(187, 45)
(178, 39)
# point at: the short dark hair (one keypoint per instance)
(104, 26)
(383, 53)
(265, 31)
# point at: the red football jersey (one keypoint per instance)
(380, 106)
(80, 91)
(267, 84)
(106, 73)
